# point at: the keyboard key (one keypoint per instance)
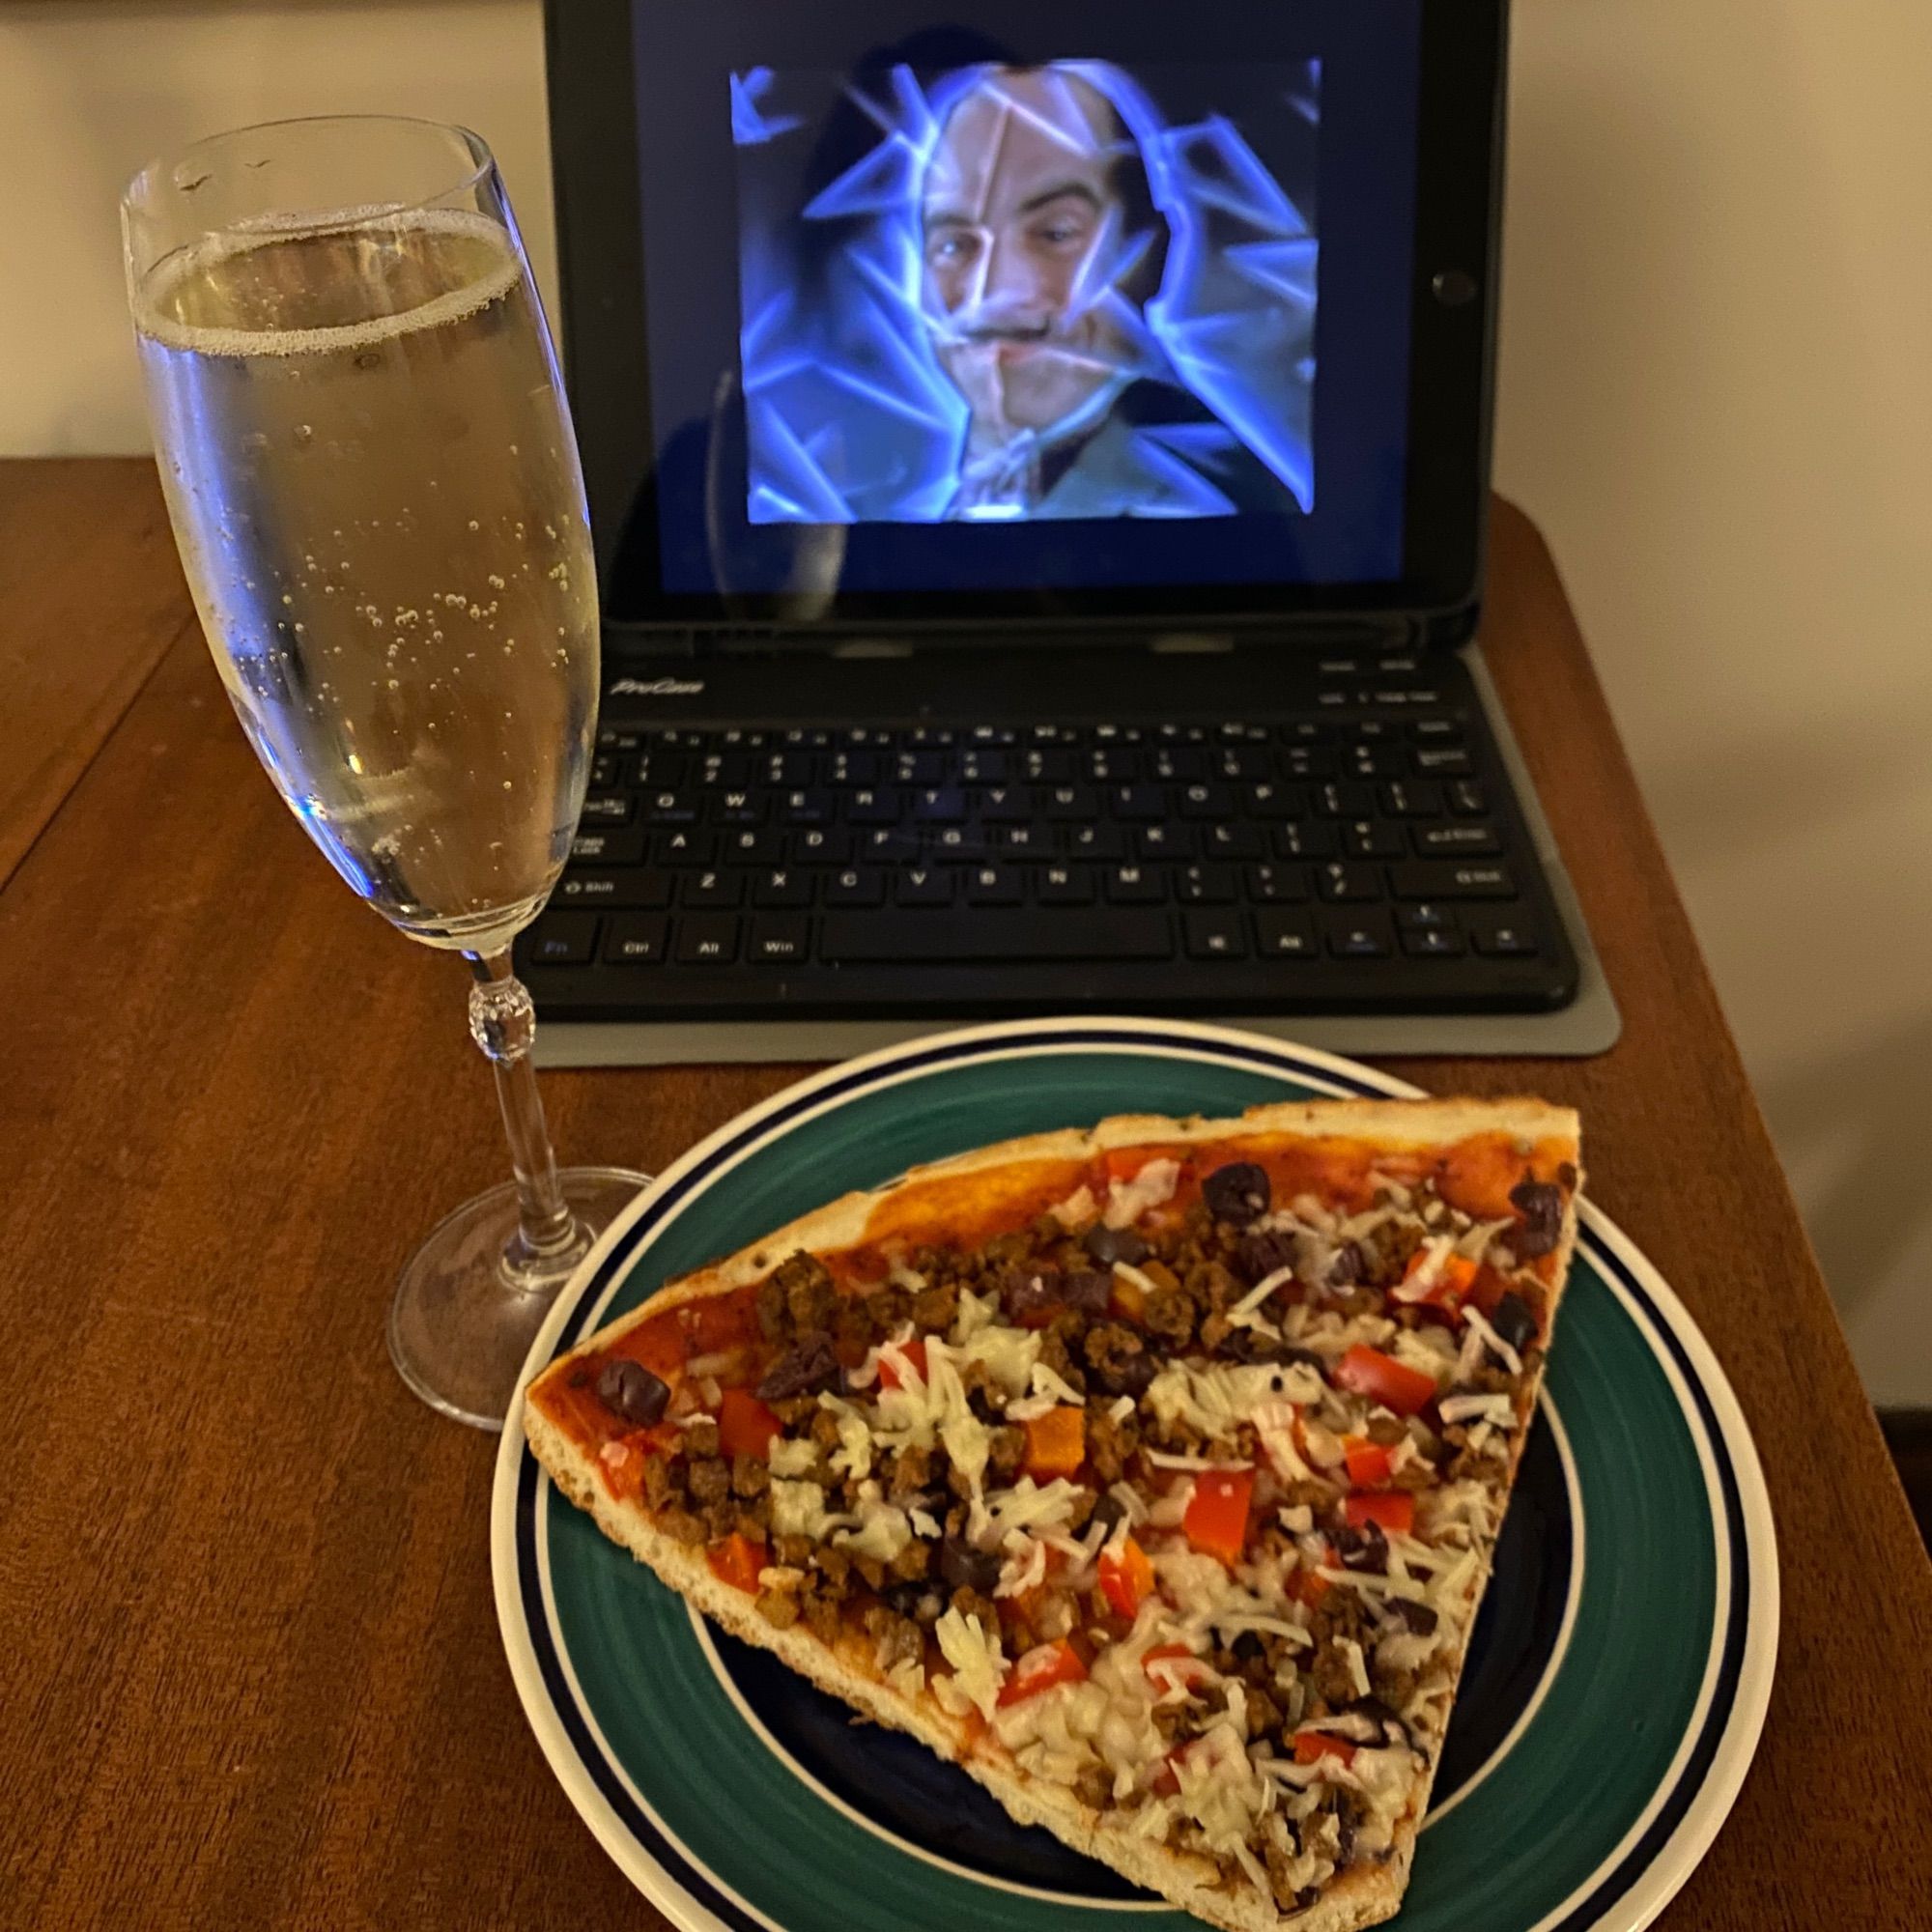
(1432, 942)
(1341, 800)
(815, 845)
(1232, 842)
(782, 940)
(983, 768)
(607, 848)
(867, 807)
(1016, 840)
(1004, 805)
(994, 885)
(1306, 731)
(605, 807)
(611, 739)
(885, 844)
(1206, 801)
(1178, 764)
(955, 842)
(783, 886)
(762, 847)
(1135, 884)
(810, 806)
(712, 891)
(739, 807)
(925, 886)
(1071, 805)
(919, 768)
(684, 848)
(978, 935)
(603, 773)
(563, 939)
(1166, 842)
(1139, 804)
(635, 887)
(1502, 939)
(1424, 914)
(1275, 800)
(1467, 797)
(1205, 884)
(707, 939)
(1440, 761)
(1372, 838)
(1358, 934)
(1372, 761)
(1337, 881)
(1309, 840)
(1286, 935)
(844, 769)
(1064, 885)
(939, 804)
(1438, 879)
(1104, 842)
(1306, 761)
(1441, 841)
(1277, 885)
(1436, 731)
(1214, 935)
(670, 808)
(854, 887)
(631, 941)
(1412, 798)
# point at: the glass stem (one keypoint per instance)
(503, 1023)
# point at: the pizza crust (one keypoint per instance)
(1365, 1895)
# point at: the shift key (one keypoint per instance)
(1443, 879)
(978, 936)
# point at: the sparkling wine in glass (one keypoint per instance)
(369, 465)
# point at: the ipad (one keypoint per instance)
(1117, 316)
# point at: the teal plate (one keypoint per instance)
(1617, 1676)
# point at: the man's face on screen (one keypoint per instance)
(1022, 222)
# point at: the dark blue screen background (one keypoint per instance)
(1364, 193)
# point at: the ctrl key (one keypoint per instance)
(635, 942)
(563, 939)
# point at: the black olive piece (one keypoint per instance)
(1238, 1193)
(1108, 1246)
(1088, 1291)
(1108, 1511)
(1349, 1265)
(1127, 1374)
(1366, 1549)
(1028, 1290)
(1541, 1206)
(1416, 1617)
(1243, 1345)
(1263, 1254)
(1308, 1359)
(965, 1568)
(629, 1389)
(1345, 1830)
(1248, 1646)
(1379, 1715)
(1512, 1322)
(807, 1366)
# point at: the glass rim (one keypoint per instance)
(482, 160)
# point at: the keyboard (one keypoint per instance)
(1361, 852)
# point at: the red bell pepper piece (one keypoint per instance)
(914, 1351)
(1126, 1577)
(1366, 1371)
(1217, 1513)
(1056, 1442)
(1040, 1668)
(1312, 1746)
(1368, 1462)
(1454, 1278)
(736, 1561)
(1393, 1510)
(745, 1427)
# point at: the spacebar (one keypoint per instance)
(910, 935)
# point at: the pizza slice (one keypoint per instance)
(1150, 1473)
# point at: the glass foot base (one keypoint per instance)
(462, 1322)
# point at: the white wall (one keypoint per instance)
(1717, 394)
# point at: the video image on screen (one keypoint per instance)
(1007, 293)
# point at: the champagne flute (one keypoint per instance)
(370, 470)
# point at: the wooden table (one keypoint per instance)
(250, 1672)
